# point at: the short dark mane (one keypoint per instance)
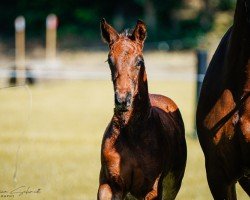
(127, 32)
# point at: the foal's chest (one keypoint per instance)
(135, 166)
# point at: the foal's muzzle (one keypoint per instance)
(122, 100)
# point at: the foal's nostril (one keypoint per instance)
(119, 99)
(128, 98)
(122, 99)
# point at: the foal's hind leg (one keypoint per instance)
(245, 184)
(171, 184)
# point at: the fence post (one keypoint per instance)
(51, 26)
(201, 56)
(20, 49)
(201, 70)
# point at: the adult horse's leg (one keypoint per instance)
(220, 187)
(245, 184)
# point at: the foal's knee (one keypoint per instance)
(104, 192)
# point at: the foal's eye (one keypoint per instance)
(140, 63)
(109, 62)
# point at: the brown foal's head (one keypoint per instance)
(126, 62)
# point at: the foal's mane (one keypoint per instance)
(128, 32)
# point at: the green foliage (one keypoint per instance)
(227, 4)
(81, 18)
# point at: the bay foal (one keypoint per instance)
(143, 149)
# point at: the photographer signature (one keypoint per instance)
(19, 191)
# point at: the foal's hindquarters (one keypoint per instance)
(147, 161)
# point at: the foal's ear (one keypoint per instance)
(109, 34)
(140, 32)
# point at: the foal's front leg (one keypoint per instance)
(105, 190)
(105, 193)
(153, 194)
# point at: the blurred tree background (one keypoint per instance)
(178, 22)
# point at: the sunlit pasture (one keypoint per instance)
(50, 135)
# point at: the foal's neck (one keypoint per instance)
(140, 111)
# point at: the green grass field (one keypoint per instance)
(60, 147)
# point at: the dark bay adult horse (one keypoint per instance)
(143, 149)
(223, 114)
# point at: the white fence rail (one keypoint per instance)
(43, 73)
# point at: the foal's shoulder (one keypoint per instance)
(163, 102)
